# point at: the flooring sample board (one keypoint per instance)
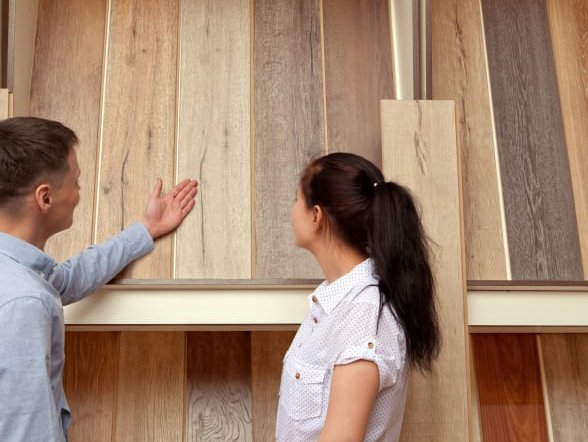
(569, 36)
(537, 190)
(218, 386)
(90, 383)
(358, 74)
(139, 121)
(66, 86)
(459, 73)
(509, 386)
(151, 387)
(267, 352)
(4, 104)
(214, 139)
(419, 151)
(565, 358)
(288, 128)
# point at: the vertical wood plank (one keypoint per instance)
(509, 386)
(219, 386)
(565, 358)
(358, 74)
(3, 104)
(89, 381)
(139, 120)
(569, 31)
(539, 207)
(288, 127)
(267, 352)
(66, 86)
(419, 151)
(475, 425)
(459, 73)
(151, 385)
(213, 139)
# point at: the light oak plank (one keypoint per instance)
(568, 21)
(537, 189)
(151, 386)
(139, 120)
(66, 86)
(219, 387)
(267, 352)
(4, 104)
(213, 139)
(419, 151)
(565, 357)
(288, 127)
(459, 73)
(358, 74)
(90, 383)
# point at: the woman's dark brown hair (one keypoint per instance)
(380, 219)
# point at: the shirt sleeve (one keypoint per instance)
(28, 410)
(85, 273)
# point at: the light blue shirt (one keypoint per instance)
(33, 290)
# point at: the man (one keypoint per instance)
(39, 191)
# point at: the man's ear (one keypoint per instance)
(43, 195)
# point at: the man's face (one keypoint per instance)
(66, 196)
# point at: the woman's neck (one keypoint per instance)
(337, 259)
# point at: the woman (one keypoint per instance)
(345, 375)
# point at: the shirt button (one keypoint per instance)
(297, 375)
(315, 320)
(370, 345)
(314, 298)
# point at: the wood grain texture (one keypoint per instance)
(420, 152)
(539, 207)
(219, 387)
(267, 352)
(66, 86)
(3, 104)
(139, 120)
(565, 358)
(288, 127)
(459, 73)
(90, 381)
(569, 34)
(474, 412)
(214, 139)
(509, 386)
(151, 386)
(358, 74)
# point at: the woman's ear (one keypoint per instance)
(43, 197)
(318, 217)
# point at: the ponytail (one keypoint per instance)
(398, 246)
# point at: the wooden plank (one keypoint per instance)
(475, 424)
(565, 358)
(539, 207)
(288, 127)
(419, 151)
(358, 74)
(139, 120)
(460, 74)
(509, 386)
(267, 352)
(219, 386)
(569, 31)
(66, 86)
(90, 380)
(213, 139)
(151, 385)
(4, 104)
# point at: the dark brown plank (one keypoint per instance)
(66, 86)
(267, 352)
(90, 379)
(219, 386)
(288, 120)
(358, 74)
(509, 387)
(539, 207)
(565, 358)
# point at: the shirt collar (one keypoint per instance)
(329, 295)
(26, 254)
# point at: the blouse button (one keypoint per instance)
(297, 375)
(314, 298)
(370, 345)
(315, 320)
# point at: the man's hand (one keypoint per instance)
(162, 215)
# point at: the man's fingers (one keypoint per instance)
(187, 209)
(185, 188)
(189, 196)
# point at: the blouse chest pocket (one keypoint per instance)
(302, 389)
